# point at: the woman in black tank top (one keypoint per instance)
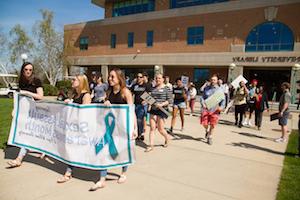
(82, 96)
(117, 94)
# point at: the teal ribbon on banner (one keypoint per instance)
(107, 138)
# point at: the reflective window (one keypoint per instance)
(113, 41)
(84, 43)
(195, 35)
(270, 36)
(185, 3)
(130, 39)
(149, 38)
(132, 7)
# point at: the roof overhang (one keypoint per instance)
(100, 3)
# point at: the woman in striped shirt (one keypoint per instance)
(163, 97)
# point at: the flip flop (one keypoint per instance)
(14, 163)
(64, 179)
(122, 179)
(97, 186)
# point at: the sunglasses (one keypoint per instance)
(27, 69)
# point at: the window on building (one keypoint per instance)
(132, 7)
(84, 43)
(130, 39)
(270, 36)
(195, 35)
(149, 38)
(113, 41)
(186, 3)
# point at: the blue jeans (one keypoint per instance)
(22, 152)
(140, 111)
(103, 172)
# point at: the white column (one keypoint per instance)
(158, 69)
(104, 72)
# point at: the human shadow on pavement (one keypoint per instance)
(252, 146)
(253, 135)
(178, 136)
(226, 122)
(50, 163)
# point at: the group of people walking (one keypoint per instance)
(116, 91)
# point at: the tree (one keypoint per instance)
(20, 43)
(49, 49)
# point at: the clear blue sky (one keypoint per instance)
(26, 12)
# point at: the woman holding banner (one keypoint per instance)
(162, 95)
(82, 96)
(30, 86)
(118, 93)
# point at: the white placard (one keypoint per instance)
(236, 82)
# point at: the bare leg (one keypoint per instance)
(182, 117)
(151, 133)
(162, 131)
(174, 114)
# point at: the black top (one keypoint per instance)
(116, 98)
(138, 90)
(31, 87)
(179, 94)
(79, 99)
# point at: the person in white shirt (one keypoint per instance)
(192, 93)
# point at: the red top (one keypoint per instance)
(258, 101)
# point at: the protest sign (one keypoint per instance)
(236, 82)
(90, 136)
(214, 99)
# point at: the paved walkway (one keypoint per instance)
(243, 163)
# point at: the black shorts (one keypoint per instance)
(159, 113)
(251, 107)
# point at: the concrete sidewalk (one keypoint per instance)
(243, 163)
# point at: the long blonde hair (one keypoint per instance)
(83, 84)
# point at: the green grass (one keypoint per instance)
(289, 186)
(6, 106)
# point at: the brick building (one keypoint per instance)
(257, 38)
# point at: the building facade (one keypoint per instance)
(259, 39)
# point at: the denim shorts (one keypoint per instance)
(284, 119)
(180, 105)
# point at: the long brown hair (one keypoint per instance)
(23, 80)
(122, 82)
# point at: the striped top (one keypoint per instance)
(162, 94)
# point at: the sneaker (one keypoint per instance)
(141, 138)
(245, 123)
(280, 140)
(182, 129)
(240, 125)
(249, 123)
(210, 141)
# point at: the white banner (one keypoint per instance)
(90, 136)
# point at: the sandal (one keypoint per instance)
(149, 149)
(98, 185)
(122, 179)
(14, 163)
(64, 178)
(166, 144)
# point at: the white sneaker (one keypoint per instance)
(245, 123)
(280, 140)
(249, 123)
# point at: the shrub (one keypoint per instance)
(50, 90)
(64, 84)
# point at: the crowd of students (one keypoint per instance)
(179, 96)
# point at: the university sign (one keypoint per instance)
(266, 59)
